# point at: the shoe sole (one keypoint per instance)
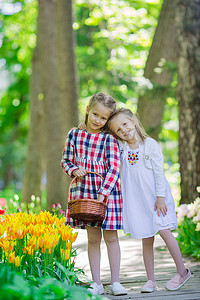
(176, 289)
(150, 290)
(95, 293)
(119, 294)
(91, 290)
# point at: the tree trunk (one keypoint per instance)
(67, 75)
(49, 71)
(57, 112)
(163, 50)
(33, 167)
(188, 33)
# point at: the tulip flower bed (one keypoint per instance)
(36, 244)
(36, 252)
(189, 228)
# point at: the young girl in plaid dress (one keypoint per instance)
(93, 150)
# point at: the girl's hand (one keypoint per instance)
(100, 197)
(161, 206)
(82, 126)
(79, 172)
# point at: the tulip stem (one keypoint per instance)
(45, 264)
(51, 262)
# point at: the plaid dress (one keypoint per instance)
(96, 152)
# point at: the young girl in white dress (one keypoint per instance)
(148, 205)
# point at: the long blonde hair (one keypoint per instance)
(103, 98)
(128, 113)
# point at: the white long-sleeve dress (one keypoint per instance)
(142, 180)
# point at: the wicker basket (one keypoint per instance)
(88, 210)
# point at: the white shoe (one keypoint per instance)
(117, 289)
(149, 287)
(96, 289)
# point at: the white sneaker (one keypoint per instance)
(117, 289)
(96, 289)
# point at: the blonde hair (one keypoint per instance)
(128, 113)
(105, 99)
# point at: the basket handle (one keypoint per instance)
(106, 198)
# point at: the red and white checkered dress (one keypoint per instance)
(96, 152)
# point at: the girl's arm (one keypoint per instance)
(67, 161)
(157, 162)
(113, 162)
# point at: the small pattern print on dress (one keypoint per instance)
(133, 157)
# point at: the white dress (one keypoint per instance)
(139, 197)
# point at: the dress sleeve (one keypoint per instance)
(157, 162)
(113, 161)
(67, 161)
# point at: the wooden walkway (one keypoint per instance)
(132, 273)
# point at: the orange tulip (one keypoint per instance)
(41, 242)
(10, 230)
(11, 257)
(7, 246)
(2, 240)
(60, 223)
(29, 249)
(65, 233)
(37, 230)
(20, 233)
(9, 218)
(10, 237)
(33, 242)
(49, 241)
(45, 218)
(73, 237)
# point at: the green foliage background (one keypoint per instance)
(113, 40)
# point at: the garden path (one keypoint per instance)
(132, 273)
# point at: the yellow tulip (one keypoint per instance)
(60, 222)
(33, 242)
(73, 237)
(41, 242)
(2, 229)
(9, 218)
(49, 241)
(36, 230)
(10, 230)
(20, 233)
(7, 246)
(17, 261)
(45, 217)
(29, 249)
(10, 237)
(65, 254)
(65, 233)
(11, 257)
(68, 246)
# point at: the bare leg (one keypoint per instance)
(94, 241)
(112, 243)
(174, 250)
(148, 257)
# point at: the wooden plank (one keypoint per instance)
(132, 272)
